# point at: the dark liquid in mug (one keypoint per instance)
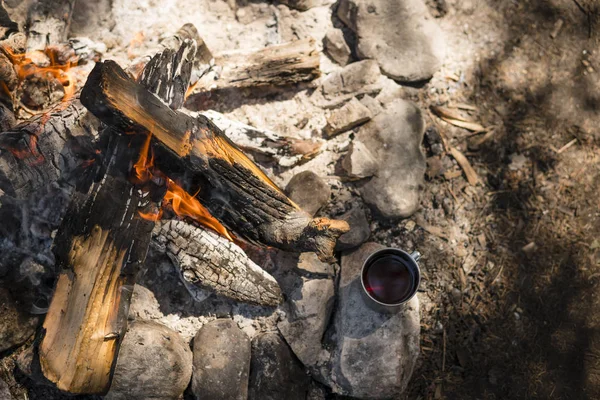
(388, 280)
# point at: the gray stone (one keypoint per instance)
(373, 354)
(372, 104)
(359, 229)
(308, 191)
(308, 307)
(350, 115)
(336, 47)
(221, 362)
(309, 262)
(359, 162)
(275, 373)
(394, 138)
(401, 35)
(154, 363)
(351, 79)
(16, 324)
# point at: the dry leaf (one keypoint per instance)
(465, 165)
(456, 119)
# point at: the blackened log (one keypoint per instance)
(100, 248)
(47, 148)
(213, 262)
(200, 158)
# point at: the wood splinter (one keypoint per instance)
(199, 157)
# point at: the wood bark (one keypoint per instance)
(211, 261)
(263, 143)
(279, 65)
(200, 158)
(100, 249)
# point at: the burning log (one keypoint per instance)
(209, 260)
(197, 155)
(283, 64)
(100, 249)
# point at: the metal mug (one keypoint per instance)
(394, 268)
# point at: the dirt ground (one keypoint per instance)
(512, 265)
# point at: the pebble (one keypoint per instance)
(336, 47)
(352, 78)
(394, 138)
(221, 361)
(309, 191)
(16, 324)
(359, 162)
(350, 115)
(359, 229)
(275, 373)
(154, 363)
(409, 51)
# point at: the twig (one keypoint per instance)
(566, 146)
(444, 350)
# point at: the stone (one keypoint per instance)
(336, 47)
(350, 115)
(275, 373)
(359, 229)
(221, 362)
(359, 162)
(372, 104)
(394, 138)
(373, 354)
(154, 363)
(16, 324)
(302, 5)
(401, 35)
(309, 262)
(309, 191)
(434, 140)
(309, 307)
(4, 391)
(351, 79)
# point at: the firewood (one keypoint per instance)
(263, 143)
(100, 248)
(211, 261)
(48, 23)
(199, 157)
(279, 65)
(47, 148)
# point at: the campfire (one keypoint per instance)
(104, 168)
(144, 159)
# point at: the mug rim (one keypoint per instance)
(403, 252)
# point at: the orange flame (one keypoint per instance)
(186, 205)
(181, 202)
(24, 67)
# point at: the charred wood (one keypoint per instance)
(263, 143)
(213, 262)
(100, 248)
(279, 65)
(197, 155)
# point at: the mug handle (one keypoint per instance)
(415, 255)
